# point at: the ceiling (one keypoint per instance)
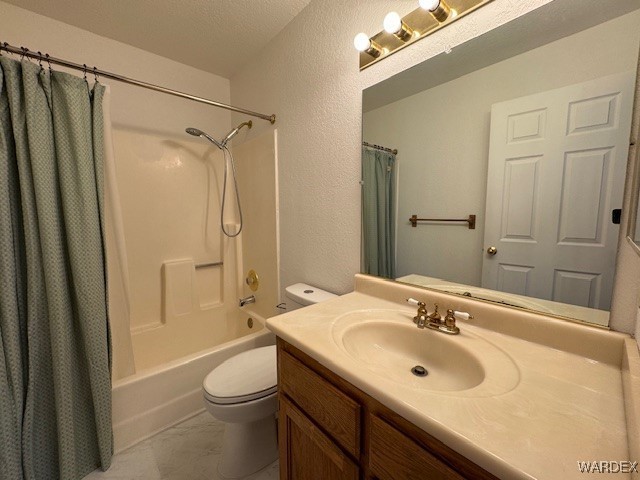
(218, 36)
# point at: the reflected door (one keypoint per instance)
(556, 171)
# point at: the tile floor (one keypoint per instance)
(187, 451)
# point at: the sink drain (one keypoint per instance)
(419, 371)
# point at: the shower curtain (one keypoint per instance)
(379, 212)
(55, 389)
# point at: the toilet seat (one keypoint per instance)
(248, 376)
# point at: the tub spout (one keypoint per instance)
(250, 299)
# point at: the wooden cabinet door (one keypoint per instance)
(305, 452)
(394, 456)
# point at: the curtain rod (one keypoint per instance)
(378, 147)
(25, 52)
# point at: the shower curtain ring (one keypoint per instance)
(40, 60)
(6, 44)
(95, 74)
(46, 55)
(84, 70)
(24, 52)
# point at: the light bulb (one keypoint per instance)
(361, 42)
(437, 8)
(430, 5)
(392, 22)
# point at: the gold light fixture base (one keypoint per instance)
(423, 23)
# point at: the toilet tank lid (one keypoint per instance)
(245, 374)
(308, 294)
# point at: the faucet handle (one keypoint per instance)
(463, 315)
(450, 322)
(422, 311)
(417, 303)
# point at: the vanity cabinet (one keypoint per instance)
(329, 429)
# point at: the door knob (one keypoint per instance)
(492, 250)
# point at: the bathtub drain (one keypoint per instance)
(250, 322)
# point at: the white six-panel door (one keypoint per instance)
(556, 170)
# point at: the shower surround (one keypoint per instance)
(184, 320)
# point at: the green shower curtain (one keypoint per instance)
(55, 384)
(378, 212)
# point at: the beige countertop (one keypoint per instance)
(567, 403)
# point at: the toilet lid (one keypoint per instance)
(247, 376)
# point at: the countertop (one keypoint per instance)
(567, 406)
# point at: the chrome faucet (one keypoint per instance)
(246, 300)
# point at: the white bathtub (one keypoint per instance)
(155, 399)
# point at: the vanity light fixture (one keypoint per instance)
(364, 44)
(438, 8)
(395, 25)
(399, 32)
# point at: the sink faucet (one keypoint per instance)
(246, 300)
(434, 320)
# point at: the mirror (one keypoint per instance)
(526, 128)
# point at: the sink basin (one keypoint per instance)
(387, 343)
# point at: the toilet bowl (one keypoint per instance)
(242, 392)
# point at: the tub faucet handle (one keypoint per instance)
(246, 300)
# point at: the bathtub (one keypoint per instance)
(157, 398)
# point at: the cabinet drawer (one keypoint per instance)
(337, 414)
(393, 456)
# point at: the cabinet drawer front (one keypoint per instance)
(337, 414)
(393, 456)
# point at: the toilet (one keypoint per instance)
(242, 392)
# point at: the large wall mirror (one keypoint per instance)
(513, 149)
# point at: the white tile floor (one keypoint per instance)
(189, 451)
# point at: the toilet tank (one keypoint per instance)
(300, 295)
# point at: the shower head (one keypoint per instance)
(195, 132)
(199, 133)
(235, 131)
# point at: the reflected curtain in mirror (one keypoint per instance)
(379, 212)
(55, 386)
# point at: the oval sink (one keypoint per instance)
(395, 349)
(387, 343)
